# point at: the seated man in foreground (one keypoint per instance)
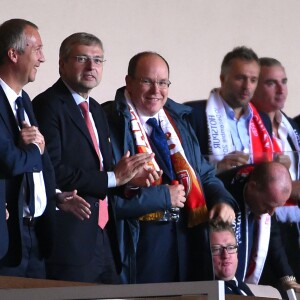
(224, 250)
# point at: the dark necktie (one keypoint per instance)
(232, 285)
(103, 209)
(159, 140)
(29, 184)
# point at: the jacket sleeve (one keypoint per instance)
(276, 255)
(15, 160)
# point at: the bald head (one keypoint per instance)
(268, 187)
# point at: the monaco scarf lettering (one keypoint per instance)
(219, 136)
(195, 204)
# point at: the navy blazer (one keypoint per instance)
(76, 166)
(242, 286)
(14, 162)
(198, 120)
(276, 253)
(150, 241)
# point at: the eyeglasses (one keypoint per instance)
(82, 59)
(162, 84)
(218, 249)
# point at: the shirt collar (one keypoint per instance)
(77, 98)
(9, 92)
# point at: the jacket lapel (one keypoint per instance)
(7, 115)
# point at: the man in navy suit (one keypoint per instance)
(224, 250)
(25, 167)
(166, 241)
(78, 141)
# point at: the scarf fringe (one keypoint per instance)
(156, 216)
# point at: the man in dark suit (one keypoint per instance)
(224, 250)
(25, 167)
(259, 190)
(165, 219)
(78, 141)
(229, 129)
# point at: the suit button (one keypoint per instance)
(35, 169)
(97, 204)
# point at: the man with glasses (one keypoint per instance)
(259, 190)
(77, 135)
(224, 250)
(165, 218)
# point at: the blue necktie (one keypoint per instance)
(20, 111)
(29, 184)
(159, 140)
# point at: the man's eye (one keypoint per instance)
(146, 81)
(81, 59)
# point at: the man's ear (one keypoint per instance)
(128, 80)
(12, 55)
(252, 185)
(222, 78)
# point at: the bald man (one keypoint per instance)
(259, 190)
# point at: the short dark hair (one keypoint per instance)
(242, 53)
(81, 38)
(269, 62)
(216, 225)
(135, 59)
(12, 36)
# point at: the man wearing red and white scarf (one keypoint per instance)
(270, 97)
(229, 129)
(165, 250)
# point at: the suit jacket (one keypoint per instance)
(14, 162)
(242, 286)
(198, 120)
(76, 165)
(276, 253)
(297, 120)
(3, 224)
(165, 251)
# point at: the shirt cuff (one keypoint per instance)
(112, 182)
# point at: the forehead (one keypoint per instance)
(152, 65)
(93, 49)
(222, 237)
(273, 72)
(240, 66)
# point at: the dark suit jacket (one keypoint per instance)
(276, 253)
(3, 224)
(76, 165)
(242, 286)
(198, 120)
(14, 162)
(165, 251)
